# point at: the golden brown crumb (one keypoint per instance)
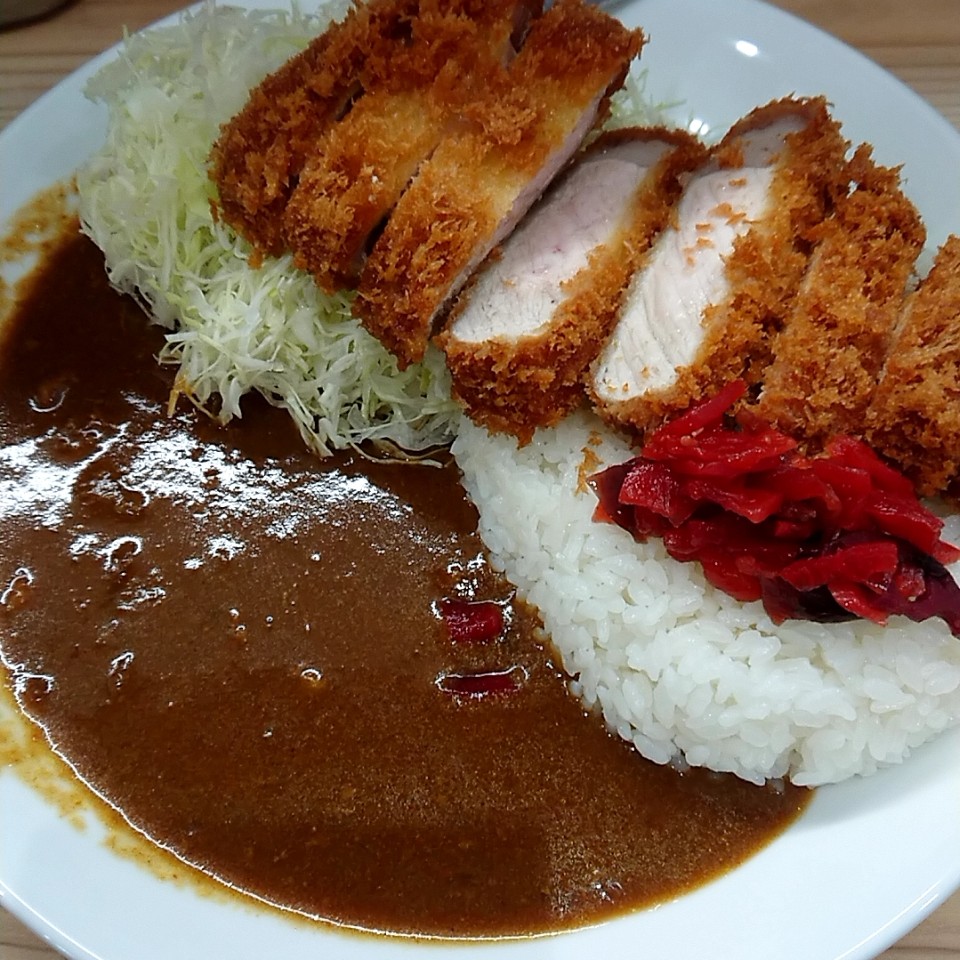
(588, 466)
(516, 385)
(914, 415)
(768, 262)
(448, 218)
(765, 268)
(357, 171)
(833, 345)
(261, 151)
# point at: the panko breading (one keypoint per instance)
(720, 279)
(260, 152)
(914, 414)
(480, 181)
(357, 170)
(434, 125)
(834, 342)
(523, 333)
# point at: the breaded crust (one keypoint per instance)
(479, 180)
(765, 268)
(830, 352)
(260, 152)
(357, 170)
(361, 168)
(516, 385)
(914, 414)
(769, 262)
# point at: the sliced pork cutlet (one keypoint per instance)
(719, 279)
(357, 170)
(482, 178)
(524, 331)
(260, 152)
(914, 414)
(830, 353)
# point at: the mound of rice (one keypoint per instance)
(680, 669)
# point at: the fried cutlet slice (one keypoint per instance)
(358, 169)
(481, 180)
(260, 152)
(829, 355)
(523, 333)
(914, 414)
(720, 279)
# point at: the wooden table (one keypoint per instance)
(918, 40)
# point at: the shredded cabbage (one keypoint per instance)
(631, 106)
(145, 200)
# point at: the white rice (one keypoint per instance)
(677, 667)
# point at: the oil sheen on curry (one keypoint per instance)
(241, 647)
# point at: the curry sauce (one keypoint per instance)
(239, 645)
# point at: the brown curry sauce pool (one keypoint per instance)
(237, 645)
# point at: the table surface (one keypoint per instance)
(918, 41)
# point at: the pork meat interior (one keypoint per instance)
(524, 331)
(481, 180)
(720, 278)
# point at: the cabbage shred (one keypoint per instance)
(146, 200)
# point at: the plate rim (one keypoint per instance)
(924, 903)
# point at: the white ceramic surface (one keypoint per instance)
(868, 860)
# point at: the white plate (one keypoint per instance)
(870, 858)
